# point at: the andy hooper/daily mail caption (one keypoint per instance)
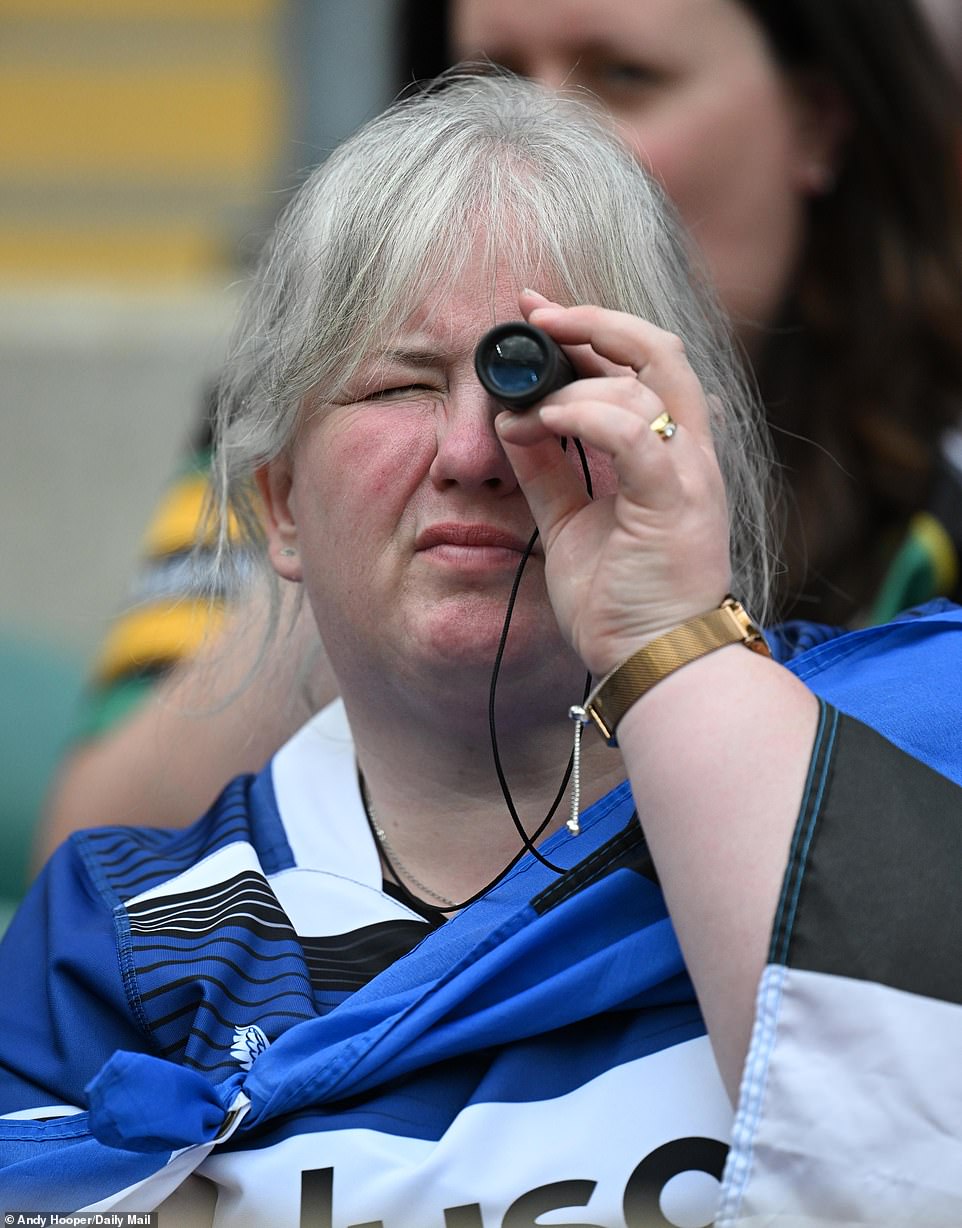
(80, 1219)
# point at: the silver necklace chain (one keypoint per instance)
(395, 862)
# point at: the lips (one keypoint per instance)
(469, 535)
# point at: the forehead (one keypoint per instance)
(453, 313)
(564, 26)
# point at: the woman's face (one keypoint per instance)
(704, 106)
(406, 518)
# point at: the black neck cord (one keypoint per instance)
(527, 842)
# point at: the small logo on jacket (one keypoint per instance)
(249, 1044)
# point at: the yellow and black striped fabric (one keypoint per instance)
(172, 608)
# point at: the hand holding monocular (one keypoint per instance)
(519, 364)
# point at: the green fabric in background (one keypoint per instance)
(40, 686)
(926, 566)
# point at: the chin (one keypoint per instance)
(466, 636)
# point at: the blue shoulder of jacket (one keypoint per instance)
(791, 640)
(900, 677)
(124, 862)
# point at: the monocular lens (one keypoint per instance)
(516, 364)
(519, 364)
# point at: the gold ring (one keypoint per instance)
(664, 425)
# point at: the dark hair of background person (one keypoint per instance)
(862, 370)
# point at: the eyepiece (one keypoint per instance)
(520, 365)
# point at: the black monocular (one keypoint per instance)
(519, 364)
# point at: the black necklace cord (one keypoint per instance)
(584, 465)
(526, 840)
(419, 904)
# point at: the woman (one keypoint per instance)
(811, 151)
(269, 1000)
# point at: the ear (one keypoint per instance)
(275, 482)
(824, 122)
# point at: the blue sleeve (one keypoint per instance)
(63, 1005)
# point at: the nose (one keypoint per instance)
(545, 65)
(553, 71)
(469, 454)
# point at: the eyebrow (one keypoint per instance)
(373, 368)
(412, 356)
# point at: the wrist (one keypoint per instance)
(662, 655)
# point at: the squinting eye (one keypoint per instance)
(401, 390)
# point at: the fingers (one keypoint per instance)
(633, 373)
(529, 300)
(653, 546)
(656, 357)
(649, 470)
(586, 360)
(553, 490)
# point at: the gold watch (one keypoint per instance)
(729, 623)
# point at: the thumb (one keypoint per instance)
(552, 488)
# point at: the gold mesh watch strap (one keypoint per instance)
(627, 682)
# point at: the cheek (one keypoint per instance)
(600, 468)
(353, 480)
(718, 125)
(730, 172)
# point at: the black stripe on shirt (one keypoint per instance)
(348, 961)
(626, 850)
(872, 888)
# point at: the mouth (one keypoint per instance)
(479, 547)
(478, 536)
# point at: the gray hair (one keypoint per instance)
(478, 162)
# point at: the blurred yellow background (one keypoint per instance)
(145, 148)
(137, 135)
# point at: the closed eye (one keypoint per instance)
(399, 390)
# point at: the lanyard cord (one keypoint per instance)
(527, 842)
